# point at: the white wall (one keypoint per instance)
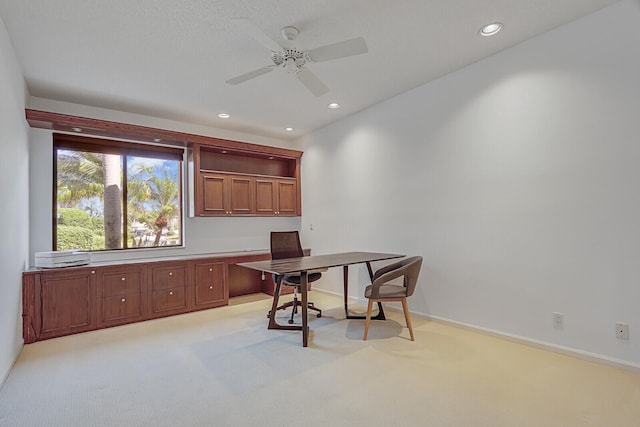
(202, 235)
(14, 181)
(517, 178)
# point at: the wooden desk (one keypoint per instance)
(303, 265)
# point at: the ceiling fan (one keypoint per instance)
(294, 60)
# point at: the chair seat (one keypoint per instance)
(387, 291)
(294, 279)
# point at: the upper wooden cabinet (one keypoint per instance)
(276, 196)
(226, 194)
(245, 181)
(212, 162)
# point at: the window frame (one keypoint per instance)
(91, 144)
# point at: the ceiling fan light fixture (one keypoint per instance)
(291, 67)
(490, 29)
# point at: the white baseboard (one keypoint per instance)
(5, 375)
(567, 351)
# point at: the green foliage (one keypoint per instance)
(74, 237)
(98, 226)
(74, 217)
(98, 242)
(153, 197)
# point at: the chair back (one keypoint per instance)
(412, 266)
(407, 268)
(285, 244)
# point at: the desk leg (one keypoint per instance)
(345, 279)
(305, 321)
(272, 314)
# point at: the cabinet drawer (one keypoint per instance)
(120, 307)
(169, 299)
(118, 284)
(168, 277)
(209, 283)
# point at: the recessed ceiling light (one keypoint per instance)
(76, 129)
(490, 29)
(224, 151)
(224, 115)
(289, 129)
(333, 105)
(157, 139)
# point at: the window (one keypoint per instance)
(115, 195)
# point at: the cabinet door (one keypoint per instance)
(287, 198)
(240, 195)
(210, 286)
(266, 197)
(68, 302)
(214, 195)
(168, 289)
(121, 295)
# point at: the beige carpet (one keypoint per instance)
(222, 367)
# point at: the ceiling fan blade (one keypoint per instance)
(338, 50)
(248, 27)
(250, 75)
(313, 83)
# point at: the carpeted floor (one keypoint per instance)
(222, 367)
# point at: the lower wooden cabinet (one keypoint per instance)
(210, 287)
(67, 301)
(121, 295)
(64, 301)
(169, 287)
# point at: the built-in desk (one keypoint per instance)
(63, 301)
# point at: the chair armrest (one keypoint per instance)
(385, 277)
(387, 268)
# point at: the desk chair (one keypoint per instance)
(286, 244)
(380, 290)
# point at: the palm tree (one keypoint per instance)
(152, 194)
(79, 177)
(83, 175)
(153, 200)
(112, 201)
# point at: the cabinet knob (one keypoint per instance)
(123, 299)
(210, 269)
(123, 279)
(171, 273)
(93, 272)
(170, 292)
(211, 287)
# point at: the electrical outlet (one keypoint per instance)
(622, 331)
(558, 320)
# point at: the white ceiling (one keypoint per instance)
(170, 59)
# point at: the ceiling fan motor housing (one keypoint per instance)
(292, 60)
